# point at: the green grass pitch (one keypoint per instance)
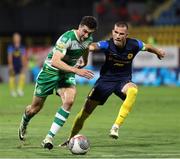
(152, 129)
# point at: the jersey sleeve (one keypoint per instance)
(103, 44)
(10, 50)
(141, 45)
(23, 50)
(62, 44)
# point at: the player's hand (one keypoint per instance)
(85, 73)
(161, 54)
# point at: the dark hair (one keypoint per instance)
(89, 21)
(121, 24)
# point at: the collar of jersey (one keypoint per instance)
(76, 35)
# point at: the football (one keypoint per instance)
(79, 145)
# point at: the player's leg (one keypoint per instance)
(45, 84)
(68, 96)
(97, 96)
(130, 90)
(30, 111)
(84, 113)
(81, 117)
(12, 83)
(21, 82)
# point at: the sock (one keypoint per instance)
(21, 81)
(12, 83)
(78, 122)
(126, 106)
(59, 120)
(26, 118)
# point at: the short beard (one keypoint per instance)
(121, 45)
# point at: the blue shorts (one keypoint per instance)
(103, 88)
(17, 69)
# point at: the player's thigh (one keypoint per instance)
(127, 86)
(45, 84)
(101, 91)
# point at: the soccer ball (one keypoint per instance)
(79, 145)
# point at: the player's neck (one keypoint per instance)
(16, 45)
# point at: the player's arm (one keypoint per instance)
(24, 60)
(159, 52)
(10, 61)
(82, 62)
(93, 47)
(85, 57)
(58, 63)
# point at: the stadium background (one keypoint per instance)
(41, 22)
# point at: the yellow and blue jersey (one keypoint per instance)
(118, 61)
(17, 54)
(117, 69)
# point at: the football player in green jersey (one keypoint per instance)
(58, 73)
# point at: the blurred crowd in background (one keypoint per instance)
(41, 22)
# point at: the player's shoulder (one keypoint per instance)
(132, 40)
(10, 48)
(22, 47)
(104, 44)
(68, 35)
(134, 44)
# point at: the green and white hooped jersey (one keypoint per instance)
(69, 45)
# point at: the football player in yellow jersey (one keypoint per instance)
(115, 77)
(17, 62)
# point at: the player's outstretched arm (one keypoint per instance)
(159, 52)
(93, 47)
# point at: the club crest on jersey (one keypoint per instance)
(16, 53)
(61, 45)
(130, 56)
(38, 90)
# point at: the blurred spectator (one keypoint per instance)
(148, 19)
(123, 13)
(100, 9)
(17, 65)
(135, 18)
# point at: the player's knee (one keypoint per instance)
(133, 91)
(68, 103)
